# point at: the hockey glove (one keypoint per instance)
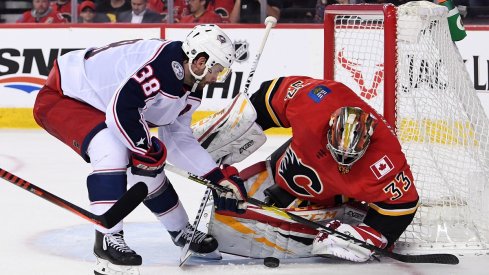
(235, 199)
(326, 244)
(151, 164)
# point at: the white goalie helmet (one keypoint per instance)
(210, 39)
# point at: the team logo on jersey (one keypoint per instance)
(241, 49)
(178, 69)
(318, 93)
(382, 167)
(302, 179)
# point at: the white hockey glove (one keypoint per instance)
(326, 244)
(235, 200)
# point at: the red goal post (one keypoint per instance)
(389, 26)
(402, 61)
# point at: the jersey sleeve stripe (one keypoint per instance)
(133, 147)
(268, 101)
(194, 98)
(169, 95)
(401, 211)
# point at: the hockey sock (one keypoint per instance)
(104, 189)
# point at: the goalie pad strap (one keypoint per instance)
(253, 170)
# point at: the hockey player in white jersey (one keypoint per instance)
(101, 102)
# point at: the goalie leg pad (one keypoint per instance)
(329, 245)
(257, 177)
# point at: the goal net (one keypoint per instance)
(402, 61)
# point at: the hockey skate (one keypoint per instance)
(202, 245)
(114, 256)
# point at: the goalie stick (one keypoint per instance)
(270, 22)
(422, 258)
(125, 205)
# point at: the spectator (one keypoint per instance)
(41, 13)
(88, 14)
(139, 14)
(63, 7)
(298, 11)
(200, 14)
(321, 5)
(249, 11)
(113, 7)
(179, 8)
(221, 7)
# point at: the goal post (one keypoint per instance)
(347, 15)
(402, 61)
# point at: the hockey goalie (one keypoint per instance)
(343, 167)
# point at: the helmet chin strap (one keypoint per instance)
(198, 78)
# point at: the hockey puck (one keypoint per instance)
(271, 262)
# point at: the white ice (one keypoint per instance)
(38, 237)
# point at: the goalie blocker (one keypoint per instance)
(231, 134)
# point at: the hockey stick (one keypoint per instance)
(425, 258)
(125, 205)
(270, 22)
(186, 252)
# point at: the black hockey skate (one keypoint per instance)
(114, 256)
(201, 244)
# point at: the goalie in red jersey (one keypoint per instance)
(341, 150)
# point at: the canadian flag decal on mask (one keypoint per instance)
(382, 167)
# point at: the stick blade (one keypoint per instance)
(184, 257)
(427, 258)
(125, 205)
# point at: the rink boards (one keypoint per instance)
(28, 52)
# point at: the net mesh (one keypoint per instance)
(442, 126)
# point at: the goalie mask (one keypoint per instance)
(349, 135)
(210, 39)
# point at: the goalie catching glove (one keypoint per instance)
(233, 200)
(150, 164)
(326, 244)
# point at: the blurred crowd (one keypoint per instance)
(195, 11)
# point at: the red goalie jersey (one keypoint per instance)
(307, 170)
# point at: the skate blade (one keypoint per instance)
(104, 267)
(214, 255)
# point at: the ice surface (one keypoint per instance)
(38, 237)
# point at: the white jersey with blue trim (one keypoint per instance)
(136, 82)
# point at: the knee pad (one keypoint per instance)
(162, 200)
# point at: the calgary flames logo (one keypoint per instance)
(302, 179)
